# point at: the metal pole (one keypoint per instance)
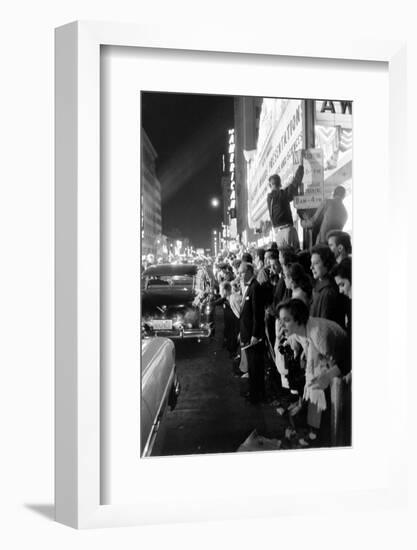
(309, 138)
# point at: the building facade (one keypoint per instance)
(151, 221)
(272, 135)
(247, 112)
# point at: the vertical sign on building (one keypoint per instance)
(232, 205)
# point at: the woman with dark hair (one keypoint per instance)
(324, 344)
(304, 258)
(299, 286)
(326, 300)
(287, 255)
(287, 362)
(297, 280)
(342, 274)
(326, 336)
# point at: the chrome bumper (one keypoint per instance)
(186, 333)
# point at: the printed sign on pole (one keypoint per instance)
(313, 180)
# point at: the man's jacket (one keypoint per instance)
(279, 200)
(331, 214)
(252, 313)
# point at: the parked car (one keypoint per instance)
(177, 301)
(159, 390)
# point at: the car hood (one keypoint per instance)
(172, 299)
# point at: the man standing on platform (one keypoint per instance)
(330, 215)
(278, 201)
(252, 331)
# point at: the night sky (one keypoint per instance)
(189, 134)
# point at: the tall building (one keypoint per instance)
(247, 116)
(151, 221)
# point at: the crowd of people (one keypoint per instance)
(292, 309)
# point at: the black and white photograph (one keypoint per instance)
(246, 273)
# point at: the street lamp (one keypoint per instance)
(214, 202)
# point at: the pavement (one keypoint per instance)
(211, 416)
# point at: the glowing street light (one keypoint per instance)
(214, 202)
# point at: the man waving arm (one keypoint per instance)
(293, 188)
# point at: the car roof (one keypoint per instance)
(171, 269)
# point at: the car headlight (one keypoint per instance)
(177, 320)
(146, 329)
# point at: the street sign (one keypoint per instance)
(313, 180)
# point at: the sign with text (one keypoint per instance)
(334, 113)
(313, 180)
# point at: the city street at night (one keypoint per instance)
(246, 285)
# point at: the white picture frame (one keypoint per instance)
(77, 242)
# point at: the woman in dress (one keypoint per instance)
(324, 344)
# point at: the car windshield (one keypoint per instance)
(158, 281)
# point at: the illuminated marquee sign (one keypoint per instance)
(340, 107)
(334, 113)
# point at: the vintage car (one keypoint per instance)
(159, 391)
(177, 301)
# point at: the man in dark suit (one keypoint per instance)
(330, 215)
(252, 330)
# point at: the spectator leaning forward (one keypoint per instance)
(325, 347)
